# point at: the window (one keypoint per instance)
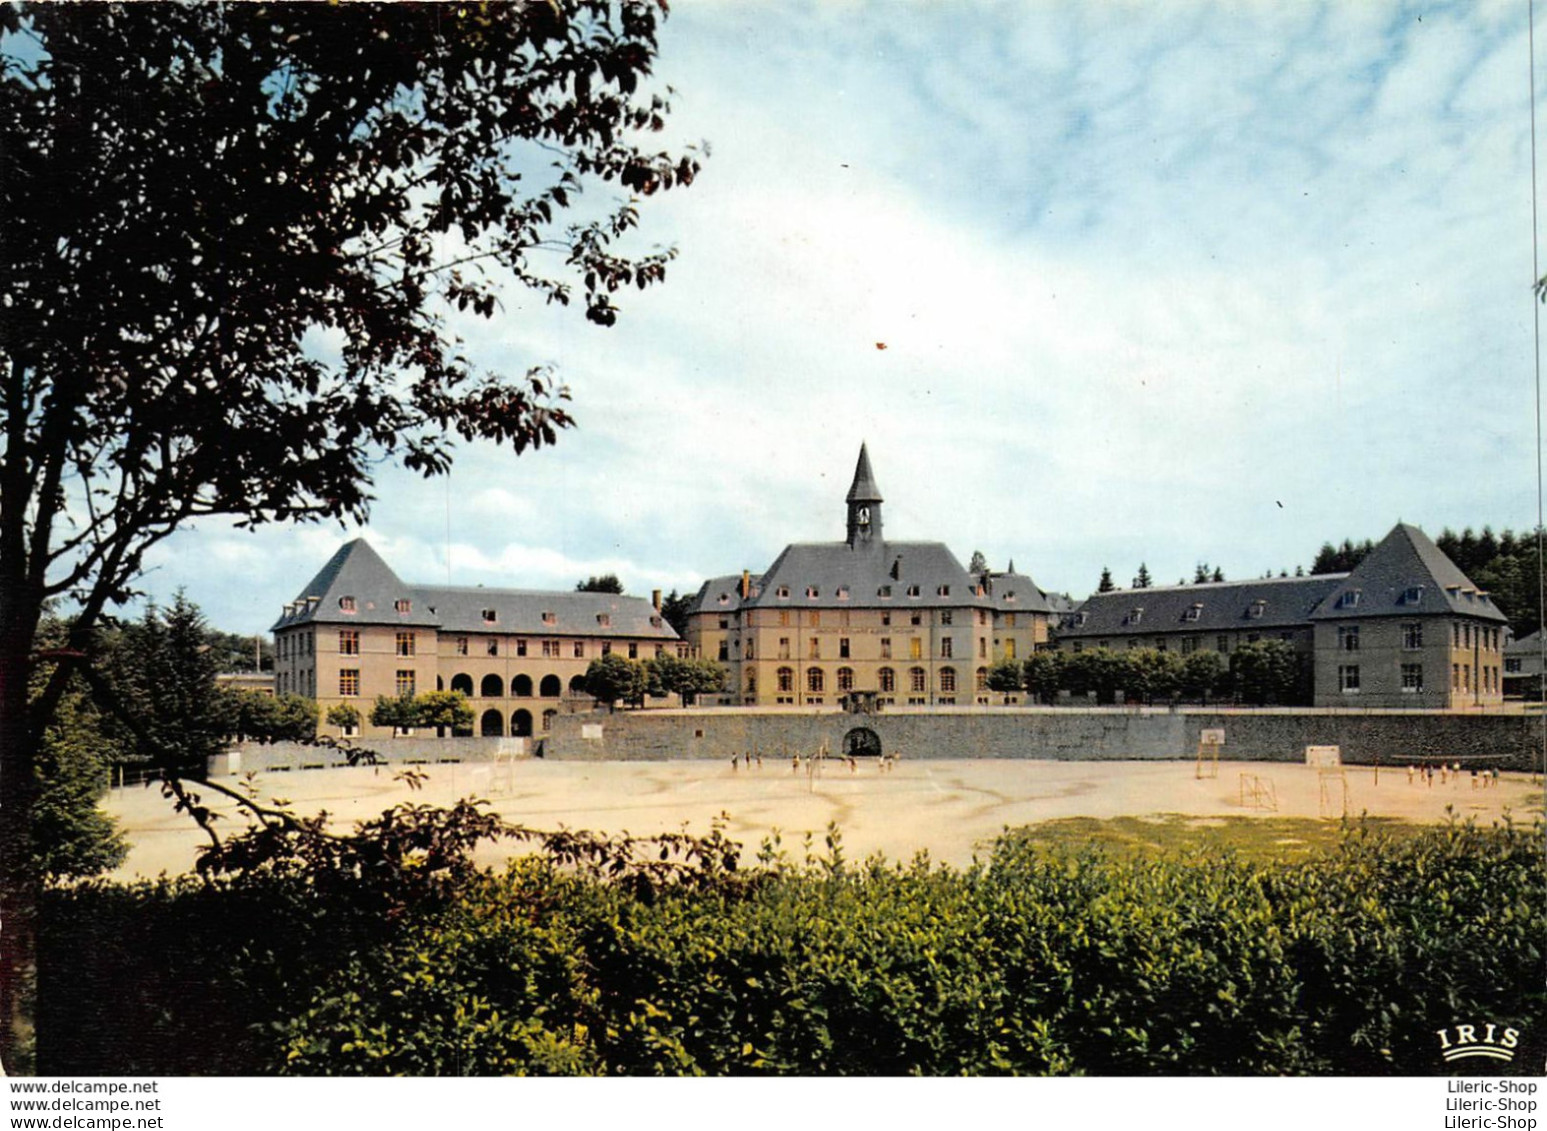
(913, 590)
(916, 618)
(1135, 616)
(405, 644)
(888, 680)
(349, 682)
(1009, 648)
(816, 618)
(550, 649)
(945, 616)
(1348, 678)
(1222, 643)
(403, 605)
(633, 650)
(1412, 636)
(1348, 638)
(347, 604)
(843, 647)
(1512, 665)
(1009, 620)
(493, 646)
(784, 618)
(983, 647)
(886, 648)
(943, 591)
(1412, 595)
(655, 622)
(348, 642)
(886, 619)
(948, 680)
(917, 679)
(461, 646)
(1455, 677)
(811, 592)
(1412, 677)
(520, 647)
(604, 620)
(490, 616)
(579, 650)
(1466, 636)
(885, 591)
(606, 647)
(945, 648)
(1193, 612)
(1455, 635)
(749, 648)
(814, 648)
(549, 618)
(784, 647)
(725, 622)
(1160, 645)
(405, 682)
(981, 679)
(786, 679)
(843, 592)
(725, 650)
(916, 648)
(816, 682)
(1349, 599)
(782, 592)
(1256, 609)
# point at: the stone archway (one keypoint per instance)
(862, 742)
(492, 725)
(521, 723)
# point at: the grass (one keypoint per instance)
(1256, 838)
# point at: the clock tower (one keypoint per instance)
(864, 503)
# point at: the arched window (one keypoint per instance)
(786, 679)
(492, 687)
(888, 680)
(521, 724)
(548, 718)
(492, 724)
(948, 680)
(577, 686)
(845, 679)
(816, 682)
(551, 687)
(463, 683)
(521, 687)
(917, 679)
(751, 683)
(982, 679)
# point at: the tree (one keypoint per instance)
(1105, 585)
(1268, 671)
(611, 678)
(675, 611)
(1007, 676)
(445, 711)
(268, 718)
(1203, 674)
(1042, 674)
(606, 583)
(193, 196)
(401, 714)
(1200, 573)
(1142, 581)
(345, 716)
(978, 564)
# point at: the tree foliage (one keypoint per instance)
(238, 241)
(688, 678)
(606, 583)
(1105, 584)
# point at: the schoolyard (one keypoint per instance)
(951, 808)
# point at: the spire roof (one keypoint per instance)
(863, 489)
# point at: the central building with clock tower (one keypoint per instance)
(900, 620)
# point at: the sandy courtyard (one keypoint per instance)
(951, 808)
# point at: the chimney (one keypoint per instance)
(655, 599)
(746, 584)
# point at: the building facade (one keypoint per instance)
(1405, 628)
(357, 631)
(900, 621)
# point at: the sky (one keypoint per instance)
(1162, 283)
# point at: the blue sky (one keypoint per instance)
(1158, 283)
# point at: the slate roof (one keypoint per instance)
(864, 571)
(357, 571)
(1221, 606)
(1405, 561)
(1012, 592)
(710, 592)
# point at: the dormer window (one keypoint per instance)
(1080, 618)
(783, 593)
(843, 592)
(549, 618)
(1009, 595)
(1193, 612)
(1412, 595)
(490, 616)
(604, 619)
(1349, 599)
(1136, 616)
(655, 622)
(347, 604)
(725, 598)
(885, 591)
(913, 590)
(1256, 609)
(811, 591)
(403, 605)
(943, 591)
